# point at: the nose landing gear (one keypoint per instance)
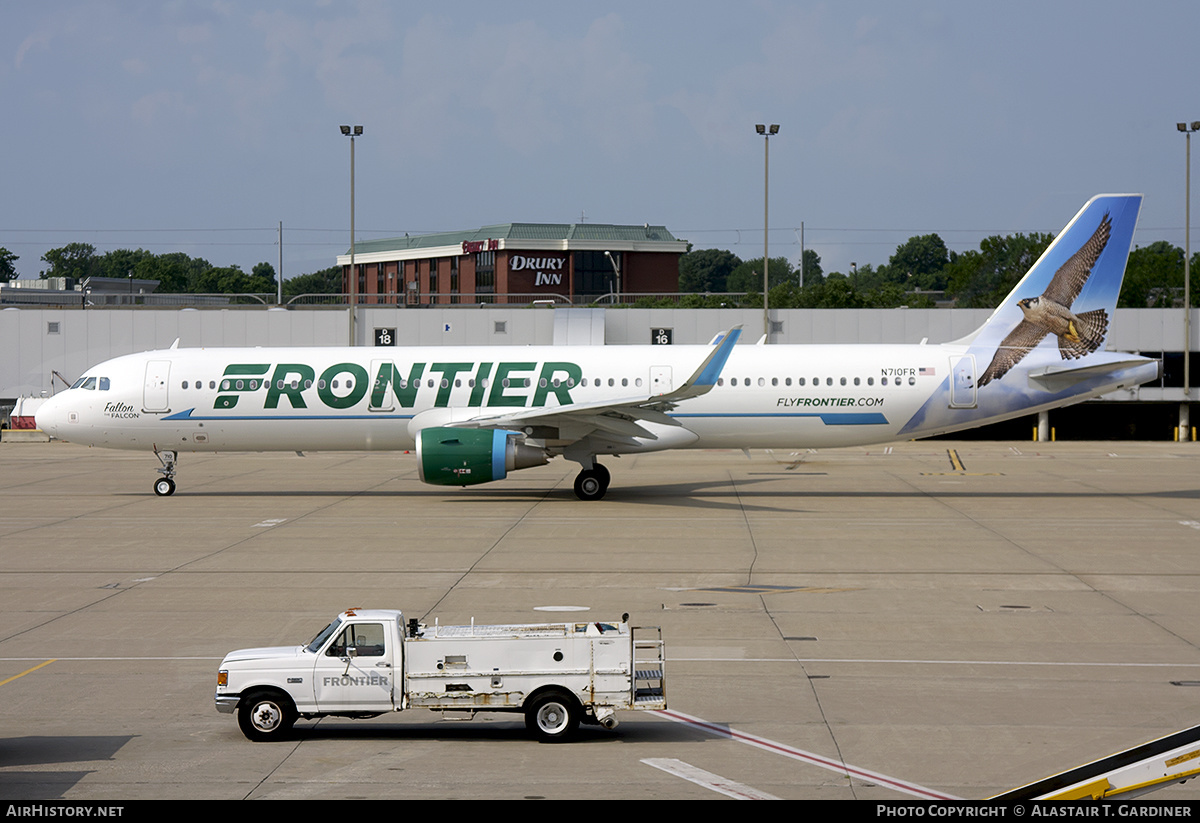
(165, 485)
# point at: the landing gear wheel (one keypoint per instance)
(263, 717)
(553, 717)
(591, 484)
(165, 485)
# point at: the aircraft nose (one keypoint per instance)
(49, 417)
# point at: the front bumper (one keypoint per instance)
(228, 703)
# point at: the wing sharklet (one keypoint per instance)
(705, 377)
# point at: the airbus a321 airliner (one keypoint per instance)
(475, 414)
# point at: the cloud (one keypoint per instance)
(150, 110)
(39, 40)
(58, 25)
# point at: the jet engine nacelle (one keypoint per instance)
(465, 457)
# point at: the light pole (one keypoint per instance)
(616, 269)
(1187, 129)
(352, 132)
(766, 132)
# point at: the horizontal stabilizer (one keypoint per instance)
(1056, 378)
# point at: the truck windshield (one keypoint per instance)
(325, 634)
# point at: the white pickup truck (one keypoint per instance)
(368, 662)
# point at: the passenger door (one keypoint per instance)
(154, 398)
(355, 672)
(962, 382)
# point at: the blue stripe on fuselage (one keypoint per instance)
(828, 418)
(187, 416)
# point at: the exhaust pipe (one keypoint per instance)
(606, 717)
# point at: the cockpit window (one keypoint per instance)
(78, 383)
(89, 384)
(104, 384)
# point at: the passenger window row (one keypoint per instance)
(516, 382)
(817, 381)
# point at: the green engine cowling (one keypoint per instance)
(466, 457)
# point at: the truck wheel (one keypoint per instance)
(263, 716)
(552, 716)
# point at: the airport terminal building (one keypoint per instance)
(514, 263)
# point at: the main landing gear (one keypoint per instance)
(165, 485)
(591, 484)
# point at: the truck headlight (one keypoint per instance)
(222, 678)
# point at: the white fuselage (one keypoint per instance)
(378, 398)
(475, 414)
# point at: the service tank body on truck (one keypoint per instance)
(367, 662)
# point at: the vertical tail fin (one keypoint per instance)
(1070, 292)
(1059, 312)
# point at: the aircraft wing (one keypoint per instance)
(620, 417)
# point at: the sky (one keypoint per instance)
(201, 126)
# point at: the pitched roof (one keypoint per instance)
(607, 232)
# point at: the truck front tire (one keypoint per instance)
(264, 716)
(552, 716)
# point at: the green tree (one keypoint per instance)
(325, 281)
(868, 278)
(813, 273)
(176, 272)
(706, 270)
(8, 268)
(123, 262)
(76, 260)
(920, 262)
(226, 280)
(981, 279)
(1153, 277)
(893, 295)
(1194, 267)
(748, 276)
(264, 274)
